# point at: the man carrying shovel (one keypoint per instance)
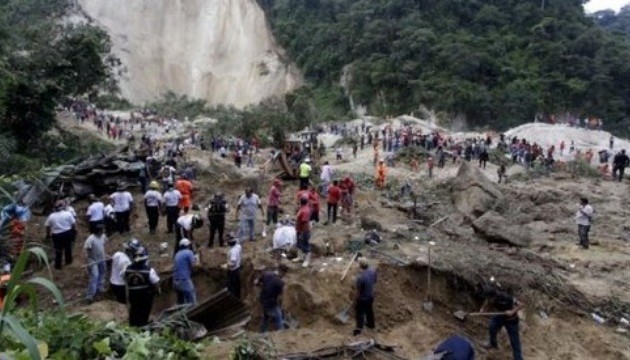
(503, 302)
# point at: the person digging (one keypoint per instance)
(503, 302)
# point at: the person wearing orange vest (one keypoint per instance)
(185, 188)
(381, 172)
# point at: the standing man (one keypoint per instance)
(216, 218)
(95, 213)
(334, 196)
(234, 267)
(620, 162)
(95, 255)
(152, 204)
(304, 172)
(273, 205)
(247, 205)
(503, 302)
(185, 188)
(142, 282)
(583, 218)
(123, 204)
(326, 177)
(120, 260)
(364, 297)
(381, 173)
(60, 228)
(272, 287)
(303, 230)
(182, 273)
(171, 203)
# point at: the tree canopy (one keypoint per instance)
(494, 62)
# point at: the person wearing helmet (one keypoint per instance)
(217, 209)
(304, 172)
(183, 265)
(501, 301)
(142, 282)
(152, 204)
(60, 229)
(120, 260)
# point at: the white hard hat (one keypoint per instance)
(184, 242)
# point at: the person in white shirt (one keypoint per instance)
(110, 218)
(95, 213)
(123, 203)
(152, 203)
(326, 177)
(60, 228)
(120, 260)
(186, 224)
(95, 255)
(234, 259)
(171, 199)
(583, 218)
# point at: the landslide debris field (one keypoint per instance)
(522, 233)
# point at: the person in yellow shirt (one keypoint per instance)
(304, 172)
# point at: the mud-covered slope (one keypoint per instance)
(217, 50)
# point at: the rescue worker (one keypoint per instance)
(233, 267)
(303, 231)
(272, 288)
(333, 199)
(217, 209)
(620, 163)
(183, 265)
(185, 226)
(95, 213)
(503, 302)
(171, 199)
(185, 188)
(60, 229)
(142, 282)
(246, 206)
(304, 172)
(123, 204)
(120, 260)
(381, 173)
(152, 205)
(364, 297)
(273, 205)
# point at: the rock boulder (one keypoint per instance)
(495, 228)
(473, 193)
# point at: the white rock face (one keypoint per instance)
(217, 50)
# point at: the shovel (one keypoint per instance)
(344, 315)
(462, 315)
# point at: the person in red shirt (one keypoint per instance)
(273, 205)
(430, 166)
(302, 193)
(347, 191)
(334, 196)
(303, 231)
(313, 200)
(185, 188)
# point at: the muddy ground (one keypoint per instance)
(559, 283)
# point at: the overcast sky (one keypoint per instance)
(595, 5)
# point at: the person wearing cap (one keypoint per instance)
(123, 204)
(364, 296)
(142, 282)
(272, 288)
(303, 232)
(304, 172)
(273, 205)
(185, 187)
(60, 227)
(152, 204)
(217, 209)
(234, 259)
(183, 264)
(120, 260)
(95, 256)
(171, 199)
(381, 173)
(95, 213)
(246, 207)
(501, 301)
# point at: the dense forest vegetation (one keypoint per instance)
(42, 61)
(614, 22)
(492, 62)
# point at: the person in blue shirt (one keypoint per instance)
(455, 347)
(272, 287)
(184, 262)
(364, 298)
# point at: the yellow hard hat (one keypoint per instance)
(154, 185)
